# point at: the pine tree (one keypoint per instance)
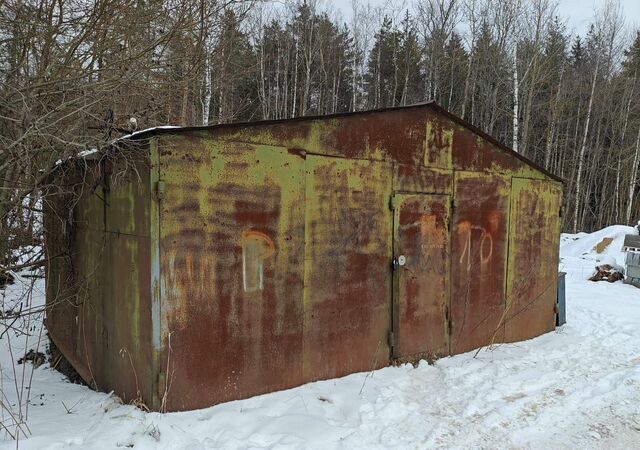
(631, 63)
(234, 83)
(385, 76)
(409, 65)
(555, 45)
(456, 59)
(490, 88)
(577, 53)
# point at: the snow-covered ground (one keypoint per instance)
(577, 387)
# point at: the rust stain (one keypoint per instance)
(422, 293)
(438, 145)
(252, 237)
(347, 254)
(480, 248)
(533, 259)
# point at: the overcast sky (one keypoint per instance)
(578, 13)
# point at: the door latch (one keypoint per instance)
(399, 262)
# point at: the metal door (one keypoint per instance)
(532, 277)
(421, 276)
(479, 237)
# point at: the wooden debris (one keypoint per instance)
(37, 358)
(605, 272)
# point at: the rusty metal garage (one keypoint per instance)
(208, 264)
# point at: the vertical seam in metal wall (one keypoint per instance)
(392, 314)
(450, 205)
(303, 362)
(156, 285)
(107, 285)
(451, 225)
(158, 333)
(508, 256)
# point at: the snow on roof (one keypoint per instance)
(146, 130)
(82, 154)
(85, 153)
(91, 151)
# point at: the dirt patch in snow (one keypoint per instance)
(603, 245)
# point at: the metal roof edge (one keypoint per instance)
(144, 134)
(494, 141)
(155, 131)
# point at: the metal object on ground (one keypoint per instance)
(241, 259)
(631, 246)
(561, 316)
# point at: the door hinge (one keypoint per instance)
(449, 326)
(160, 189)
(453, 205)
(391, 340)
(393, 203)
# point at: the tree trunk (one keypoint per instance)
(295, 80)
(633, 180)
(584, 146)
(206, 101)
(552, 125)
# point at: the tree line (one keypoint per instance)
(74, 72)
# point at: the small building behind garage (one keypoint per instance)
(209, 264)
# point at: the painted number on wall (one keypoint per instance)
(484, 247)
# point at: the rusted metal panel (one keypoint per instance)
(126, 319)
(102, 324)
(497, 157)
(85, 311)
(388, 135)
(438, 145)
(533, 258)
(419, 179)
(479, 257)
(347, 266)
(451, 144)
(422, 277)
(74, 281)
(128, 206)
(232, 260)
